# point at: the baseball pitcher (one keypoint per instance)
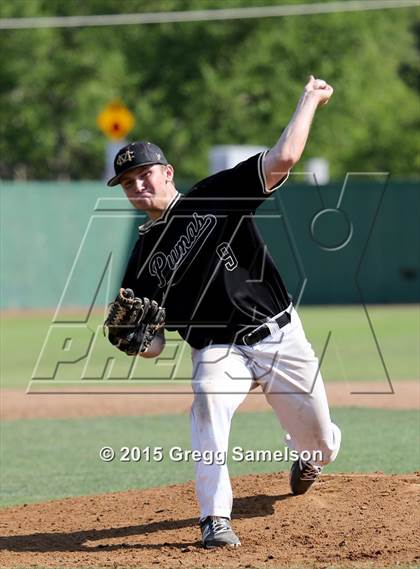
(200, 267)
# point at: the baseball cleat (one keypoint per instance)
(217, 532)
(302, 476)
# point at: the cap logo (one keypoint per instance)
(125, 157)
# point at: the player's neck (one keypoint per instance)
(157, 212)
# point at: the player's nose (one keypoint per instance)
(138, 185)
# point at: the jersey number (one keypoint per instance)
(226, 254)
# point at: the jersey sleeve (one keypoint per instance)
(282, 179)
(244, 183)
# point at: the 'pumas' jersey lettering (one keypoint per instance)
(162, 265)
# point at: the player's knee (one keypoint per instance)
(326, 455)
(329, 448)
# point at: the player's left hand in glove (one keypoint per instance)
(133, 322)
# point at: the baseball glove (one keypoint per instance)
(133, 322)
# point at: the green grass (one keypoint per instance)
(47, 459)
(351, 353)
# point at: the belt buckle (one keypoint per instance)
(256, 332)
(263, 330)
(245, 341)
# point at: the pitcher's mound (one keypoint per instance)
(344, 521)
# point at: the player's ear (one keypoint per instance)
(169, 173)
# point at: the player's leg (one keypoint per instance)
(221, 381)
(288, 371)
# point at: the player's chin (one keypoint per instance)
(142, 202)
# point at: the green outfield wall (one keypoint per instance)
(68, 243)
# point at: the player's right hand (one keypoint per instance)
(319, 89)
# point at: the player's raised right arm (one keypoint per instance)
(289, 148)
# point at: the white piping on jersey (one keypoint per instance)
(162, 219)
(261, 174)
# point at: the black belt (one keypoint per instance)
(263, 331)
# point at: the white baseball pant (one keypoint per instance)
(285, 366)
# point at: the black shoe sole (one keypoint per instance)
(218, 545)
(301, 492)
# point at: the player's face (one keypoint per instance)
(146, 187)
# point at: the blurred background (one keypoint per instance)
(192, 85)
(71, 95)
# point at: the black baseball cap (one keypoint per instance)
(133, 155)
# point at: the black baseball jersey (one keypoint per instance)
(205, 261)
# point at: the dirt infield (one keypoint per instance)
(345, 521)
(169, 400)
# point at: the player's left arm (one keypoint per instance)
(289, 148)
